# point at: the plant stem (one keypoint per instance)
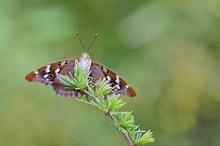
(109, 113)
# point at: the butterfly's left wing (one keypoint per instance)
(49, 75)
(98, 71)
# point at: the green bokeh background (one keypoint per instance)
(169, 51)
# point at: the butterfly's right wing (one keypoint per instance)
(49, 75)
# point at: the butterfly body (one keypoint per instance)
(49, 75)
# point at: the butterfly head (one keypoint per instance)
(85, 56)
(85, 60)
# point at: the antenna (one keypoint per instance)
(96, 35)
(77, 33)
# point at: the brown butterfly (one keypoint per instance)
(49, 75)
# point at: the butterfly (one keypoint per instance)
(49, 75)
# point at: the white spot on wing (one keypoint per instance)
(117, 86)
(117, 81)
(117, 77)
(47, 70)
(57, 70)
(48, 66)
(62, 63)
(104, 69)
(46, 75)
(36, 72)
(108, 78)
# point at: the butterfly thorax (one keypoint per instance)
(85, 61)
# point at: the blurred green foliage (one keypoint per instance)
(169, 51)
